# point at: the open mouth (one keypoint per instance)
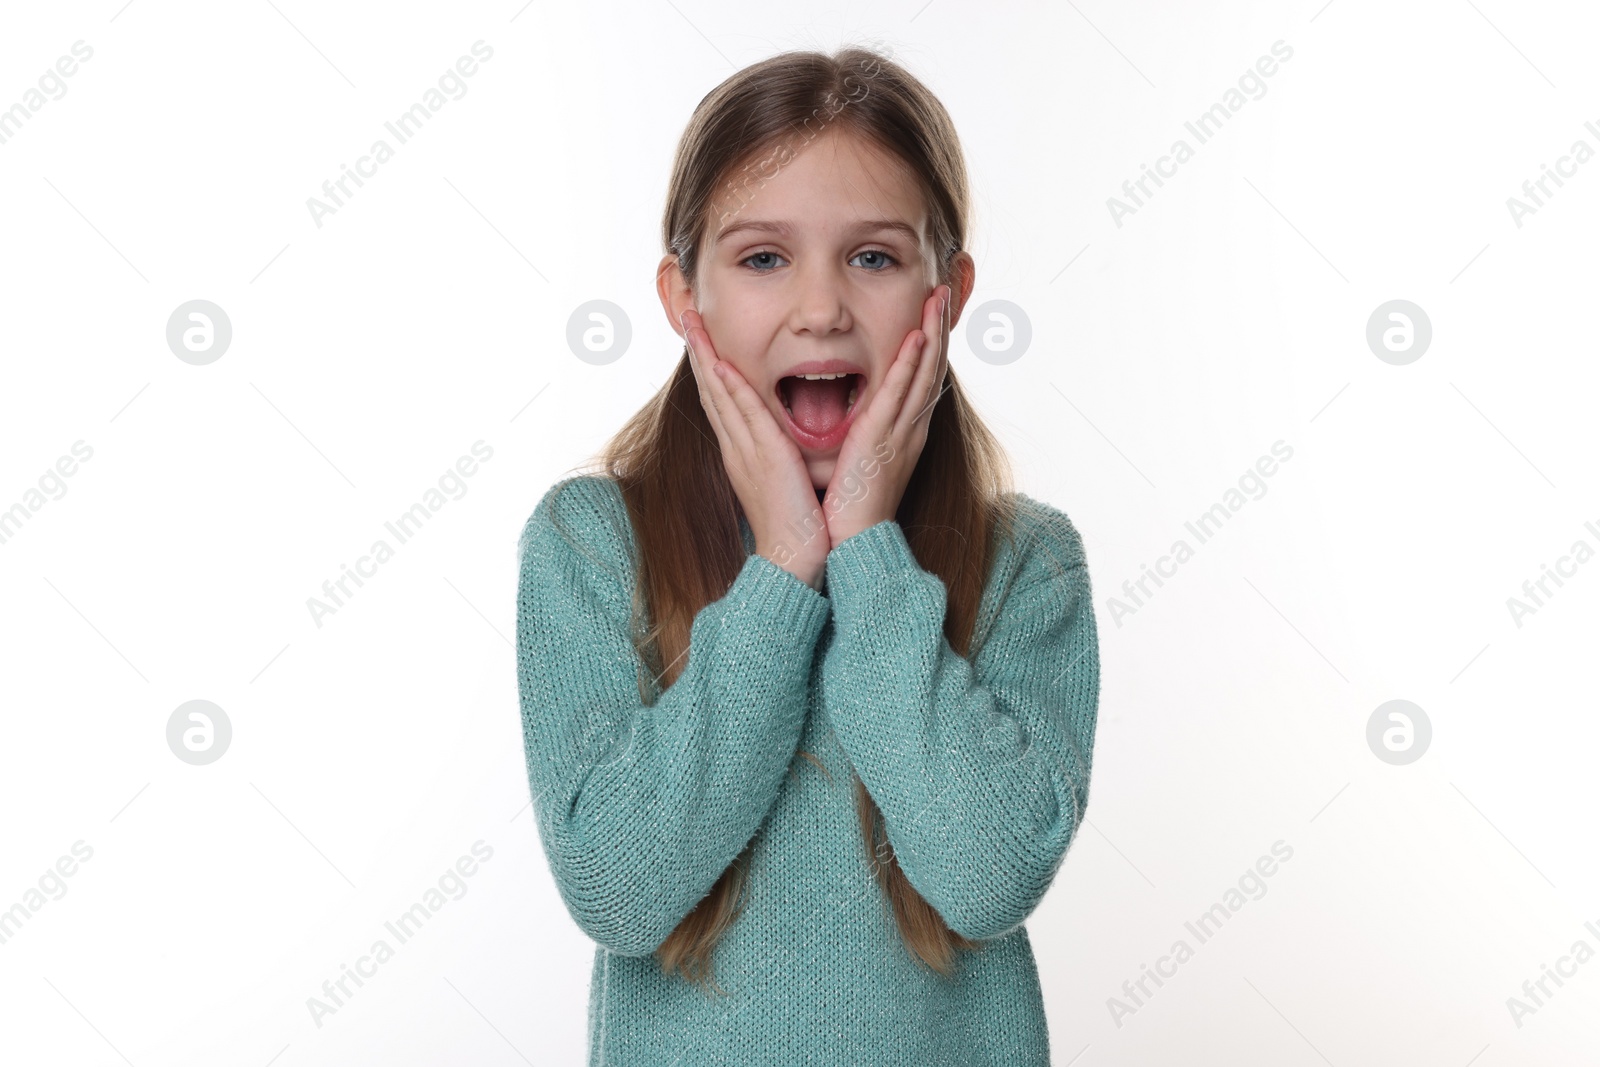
(820, 406)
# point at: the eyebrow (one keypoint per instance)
(784, 229)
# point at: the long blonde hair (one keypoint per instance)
(666, 460)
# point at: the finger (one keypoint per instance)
(736, 396)
(703, 360)
(937, 386)
(730, 396)
(757, 417)
(929, 368)
(698, 368)
(884, 416)
(706, 361)
(939, 383)
(739, 447)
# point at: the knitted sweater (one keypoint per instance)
(980, 767)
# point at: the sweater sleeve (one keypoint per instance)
(640, 808)
(981, 767)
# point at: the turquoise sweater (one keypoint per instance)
(980, 767)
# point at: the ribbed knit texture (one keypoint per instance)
(980, 767)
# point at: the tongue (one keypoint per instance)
(817, 406)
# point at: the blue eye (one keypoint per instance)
(876, 252)
(761, 270)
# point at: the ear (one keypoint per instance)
(673, 288)
(963, 277)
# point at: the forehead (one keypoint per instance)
(835, 184)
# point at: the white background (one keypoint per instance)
(369, 753)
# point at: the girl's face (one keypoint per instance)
(817, 261)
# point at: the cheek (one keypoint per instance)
(742, 327)
(890, 325)
(737, 345)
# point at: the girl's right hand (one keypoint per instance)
(764, 464)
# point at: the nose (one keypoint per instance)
(821, 303)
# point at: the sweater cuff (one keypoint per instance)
(776, 596)
(858, 563)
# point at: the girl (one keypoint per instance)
(805, 687)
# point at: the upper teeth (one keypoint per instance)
(849, 401)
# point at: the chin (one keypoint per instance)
(821, 471)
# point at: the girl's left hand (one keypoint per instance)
(881, 450)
